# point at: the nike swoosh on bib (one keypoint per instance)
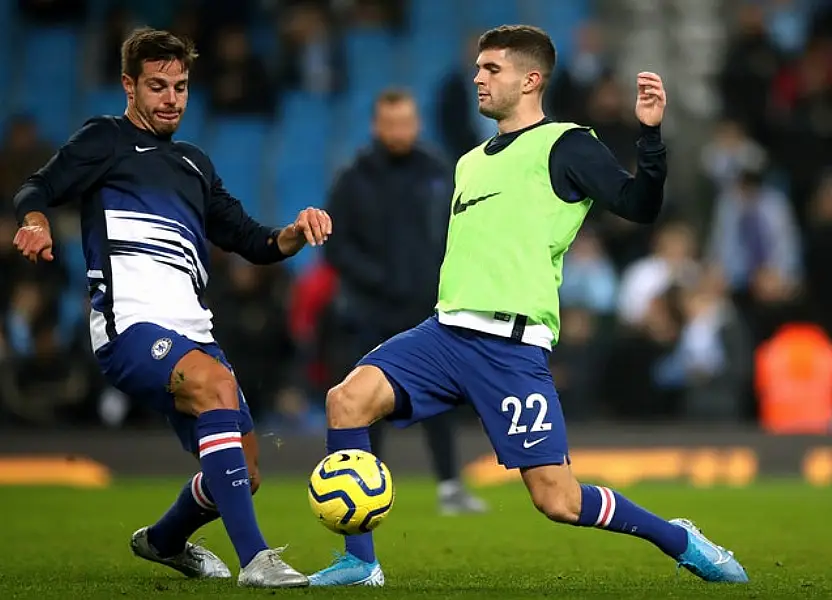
(461, 207)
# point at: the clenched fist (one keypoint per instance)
(34, 240)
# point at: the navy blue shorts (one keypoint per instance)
(139, 363)
(434, 367)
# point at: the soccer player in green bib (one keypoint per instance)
(519, 201)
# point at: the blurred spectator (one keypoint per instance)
(631, 386)
(28, 304)
(818, 249)
(787, 24)
(751, 62)
(712, 362)
(10, 263)
(730, 152)
(374, 13)
(803, 80)
(575, 362)
(755, 228)
(250, 323)
(801, 118)
(239, 82)
(22, 153)
(589, 278)
(48, 380)
(672, 262)
(310, 54)
(573, 82)
(119, 21)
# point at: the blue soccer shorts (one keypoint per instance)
(139, 363)
(434, 367)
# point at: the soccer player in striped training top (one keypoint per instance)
(149, 207)
(519, 201)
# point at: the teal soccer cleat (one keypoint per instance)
(349, 570)
(708, 561)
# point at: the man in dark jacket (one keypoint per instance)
(391, 205)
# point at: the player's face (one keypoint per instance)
(396, 125)
(160, 95)
(499, 84)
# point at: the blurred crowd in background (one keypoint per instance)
(705, 316)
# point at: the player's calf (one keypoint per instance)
(555, 493)
(558, 495)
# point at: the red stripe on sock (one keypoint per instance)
(607, 514)
(231, 438)
(199, 495)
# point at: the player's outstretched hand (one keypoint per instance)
(313, 226)
(33, 242)
(651, 99)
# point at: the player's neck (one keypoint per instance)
(520, 120)
(136, 119)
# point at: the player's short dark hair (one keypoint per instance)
(532, 43)
(393, 95)
(148, 44)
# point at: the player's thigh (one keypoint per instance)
(405, 379)
(511, 388)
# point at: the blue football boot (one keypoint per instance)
(349, 570)
(708, 561)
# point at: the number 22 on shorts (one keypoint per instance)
(533, 401)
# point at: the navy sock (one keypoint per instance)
(604, 508)
(224, 466)
(358, 438)
(192, 509)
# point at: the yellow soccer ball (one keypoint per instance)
(351, 492)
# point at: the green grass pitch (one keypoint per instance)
(67, 544)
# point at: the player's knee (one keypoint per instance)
(212, 387)
(346, 409)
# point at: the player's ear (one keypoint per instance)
(129, 86)
(532, 82)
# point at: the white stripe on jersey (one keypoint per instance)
(130, 226)
(155, 271)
